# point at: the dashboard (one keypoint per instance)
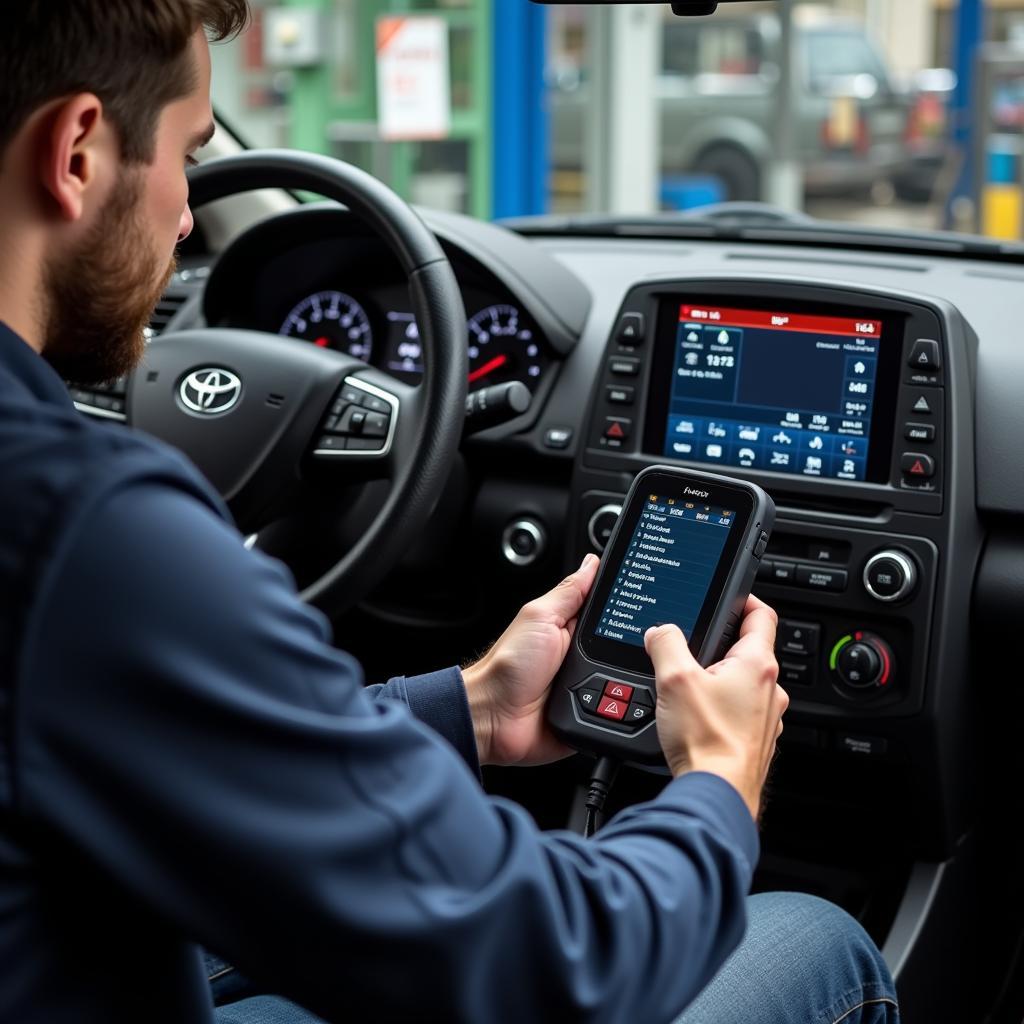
(875, 395)
(341, 290)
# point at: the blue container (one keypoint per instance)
(1003, 160)
(688, 191)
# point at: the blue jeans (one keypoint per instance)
(802, 961)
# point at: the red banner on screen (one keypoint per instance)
(800, 322)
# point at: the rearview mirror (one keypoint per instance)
(684, 8)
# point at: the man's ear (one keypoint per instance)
(74, 143)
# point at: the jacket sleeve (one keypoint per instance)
(437, 699)
(194, 733)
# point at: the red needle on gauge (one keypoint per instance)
(488, 367)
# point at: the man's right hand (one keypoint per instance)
(724, 719)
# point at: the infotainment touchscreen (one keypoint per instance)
(772, 389)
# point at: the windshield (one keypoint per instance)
(874, 112)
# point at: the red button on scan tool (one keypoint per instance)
(619, 691)
(612, 707)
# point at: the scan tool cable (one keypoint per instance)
(601, 782)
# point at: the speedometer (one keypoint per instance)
(502, 347)
(331, 320)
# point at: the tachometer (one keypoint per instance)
(503, 348)
(331, 320)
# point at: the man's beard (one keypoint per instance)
(101, 296)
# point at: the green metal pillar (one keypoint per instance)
(311, 97)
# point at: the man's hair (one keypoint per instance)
(133, 54)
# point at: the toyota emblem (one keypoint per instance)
(210, 391)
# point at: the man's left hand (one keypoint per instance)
(508, 686)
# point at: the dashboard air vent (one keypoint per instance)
(166, 310)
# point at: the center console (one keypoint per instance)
(837, 402)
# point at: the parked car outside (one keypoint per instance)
(717, 93)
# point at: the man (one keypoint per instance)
(184, 758)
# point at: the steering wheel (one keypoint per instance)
(262, 415)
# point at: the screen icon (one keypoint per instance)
(780, 458)
(781, 438)
(749, 433)
(714, 451)
(816, 443)
(682, 448)
(813, 464)
(684, 427)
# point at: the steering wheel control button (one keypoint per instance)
(589, 699)
(815, 577)
(523, 542)
(332, 443)
(360, 422)
(620, 691)
(917, 465)
(375, 424)
(601, 525)
(921, 432)
(890, 576)
(371, 403)
(624, 367)
(620, 394)
(631, 329)
(800, 638)
(558, 437)
(612, 708)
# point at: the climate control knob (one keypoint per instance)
(890, 576)
(862, 661)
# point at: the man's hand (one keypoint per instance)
(508, 687)
(724, 719)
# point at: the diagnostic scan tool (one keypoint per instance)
(685, 550)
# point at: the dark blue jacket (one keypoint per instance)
(185, 758)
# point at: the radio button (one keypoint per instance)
(818, 578)
(925, 355)
(923, 432)
(619, 394)
(624, 367)
(783, 572)
(631, 329)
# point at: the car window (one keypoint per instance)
(526, 95)
(834, 54)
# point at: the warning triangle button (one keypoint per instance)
(617, 429)
(921, 405)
